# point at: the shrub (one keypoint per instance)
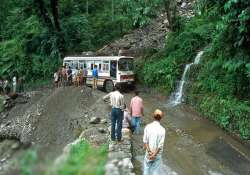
(84, 160)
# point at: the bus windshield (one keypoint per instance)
(125, 64)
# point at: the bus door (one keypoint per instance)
(113, 69)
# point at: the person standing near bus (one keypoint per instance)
(136, 110)
(118, 106)
(95, 77)
(69, 76)
(85, 75)
(64, 75)
(14, 83)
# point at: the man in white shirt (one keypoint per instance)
(153, 139)
(117, 103)
(14, 84)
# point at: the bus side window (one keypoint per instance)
(105, 67)
(92, 66)
(100, 66)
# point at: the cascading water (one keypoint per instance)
(177, 97)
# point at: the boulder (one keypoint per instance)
(94, 120)
(102, 130)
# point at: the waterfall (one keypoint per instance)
(177, 97)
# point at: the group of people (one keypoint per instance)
(65, 76)
(130, 117)
(13, 86)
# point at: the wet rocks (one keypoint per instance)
(120, 157)
(103, 121)
(94, 120)
(15, 146)
(102, 130)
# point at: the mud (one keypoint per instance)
(193, 144)
(58, 117)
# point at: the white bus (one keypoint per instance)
(111, 69)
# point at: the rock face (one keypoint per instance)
(149, 37)
(120, 156)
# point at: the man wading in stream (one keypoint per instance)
(153, 139)
(118, 105)
(136, 110)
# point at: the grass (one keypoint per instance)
(84, 159)
(33, 85)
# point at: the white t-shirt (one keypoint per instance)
(14, 81)
(56, 76)
(154, 136)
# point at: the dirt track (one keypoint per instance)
(60, 115)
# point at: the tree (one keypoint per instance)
(171, 10)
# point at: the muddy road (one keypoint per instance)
(60, 116)
(193, 146)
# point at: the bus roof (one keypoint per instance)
(95, 58)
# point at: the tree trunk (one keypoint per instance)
(54, 9)
(43, 13)
(170, 8)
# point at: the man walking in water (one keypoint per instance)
(153, 139)
(95, 76)
(118, 105)
(136, 111)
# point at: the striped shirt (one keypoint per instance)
(116, 99)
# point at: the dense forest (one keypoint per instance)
(36, 34)
(220, 86)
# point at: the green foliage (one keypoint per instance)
(33, 39)
(84, 160)
(27, 162)
(228, 113)
(181, 48)
(221, 84)
(221, 90)
(163, 72)
(140, 11)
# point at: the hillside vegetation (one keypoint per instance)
(220, 86)
(36, 34)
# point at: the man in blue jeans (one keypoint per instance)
(153, 139)
(118, 105)
(95, 77)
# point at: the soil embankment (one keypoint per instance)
(56, 118)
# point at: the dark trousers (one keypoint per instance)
(116, 124)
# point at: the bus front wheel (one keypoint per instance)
(109, 86)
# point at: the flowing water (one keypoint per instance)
(193, 145)
(177, 97)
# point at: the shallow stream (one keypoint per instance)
(193, 145)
